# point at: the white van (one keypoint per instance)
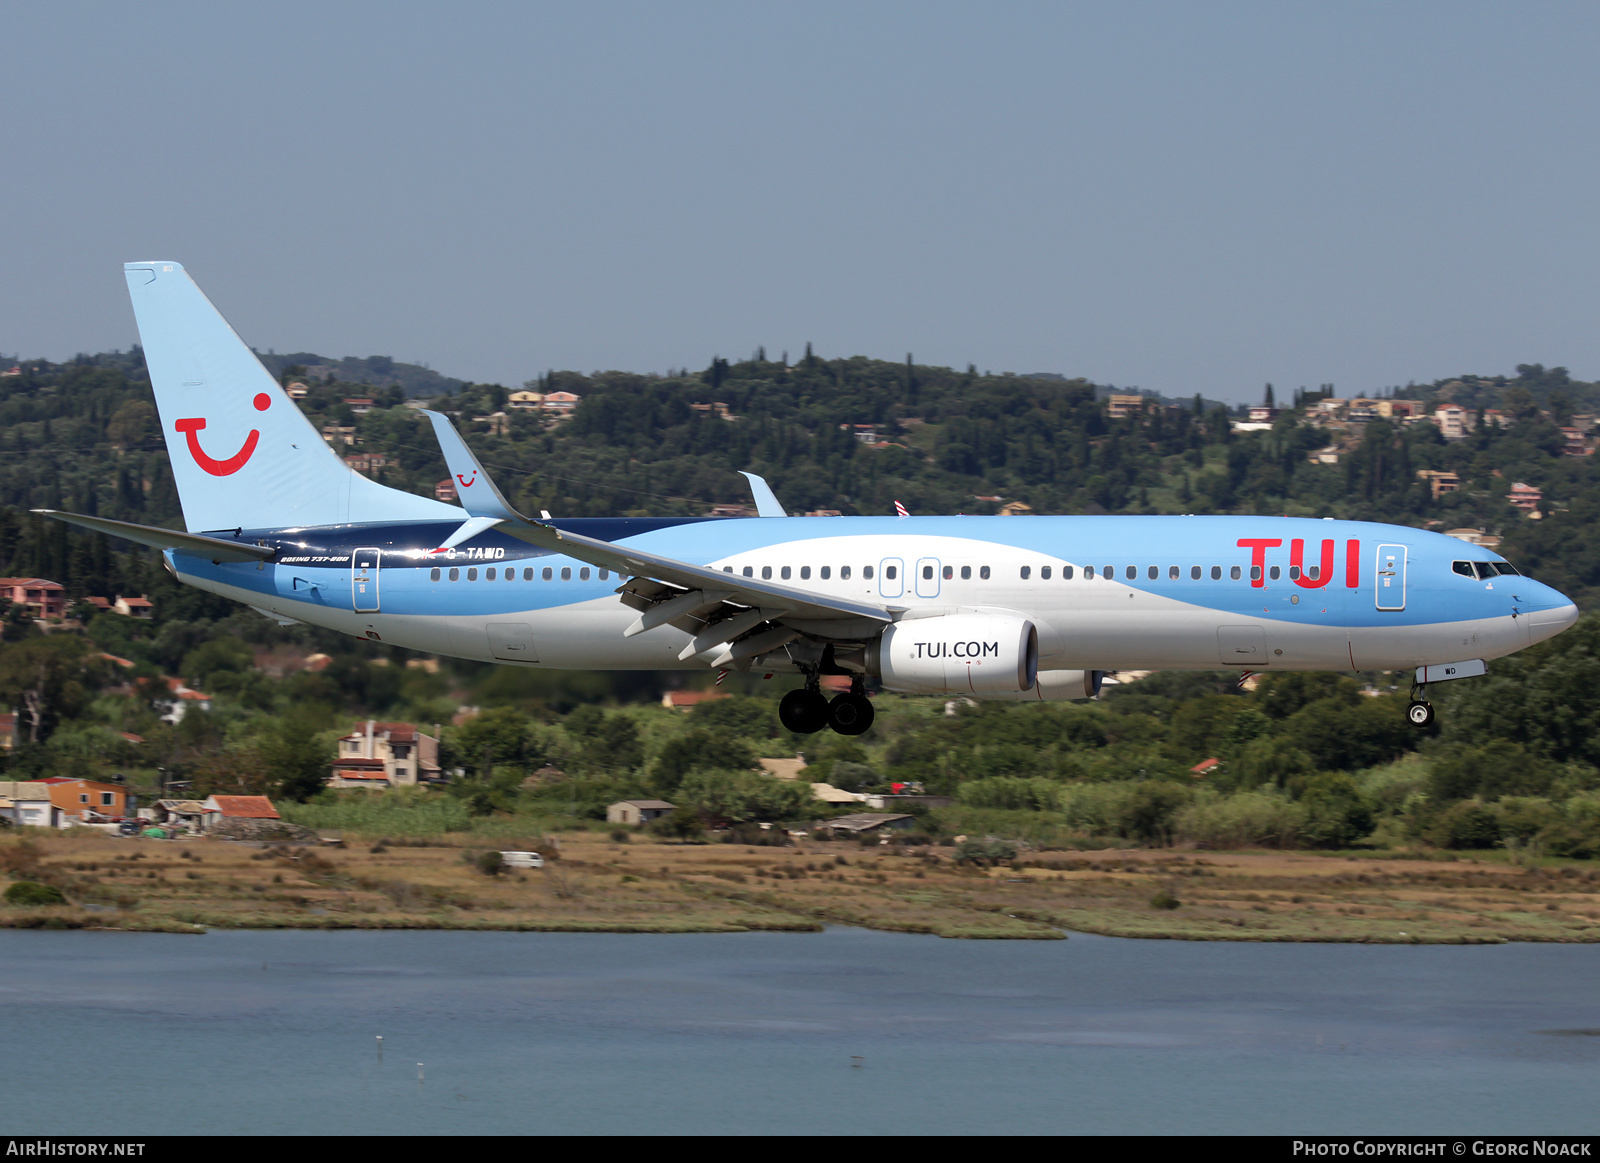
(522, 860)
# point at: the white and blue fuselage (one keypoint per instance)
(1106, 593)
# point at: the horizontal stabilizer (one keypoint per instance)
(211, 548)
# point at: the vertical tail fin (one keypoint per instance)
(242, 452)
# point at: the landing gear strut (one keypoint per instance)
(1420, 711)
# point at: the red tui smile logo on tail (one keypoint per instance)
(465, 483)
(220, 468)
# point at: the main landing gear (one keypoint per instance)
(807, 711)
(1420, 711)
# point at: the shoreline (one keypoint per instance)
(644, 886)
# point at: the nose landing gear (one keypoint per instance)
(1420, 711)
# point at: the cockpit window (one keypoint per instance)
(1483, 570)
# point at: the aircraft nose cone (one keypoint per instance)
(1549, 623)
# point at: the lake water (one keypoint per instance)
(566, 1033)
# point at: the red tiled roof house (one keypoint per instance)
(215, 809)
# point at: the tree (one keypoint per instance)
(47, 678)
(732, 797)
(296, 757)
(1148, 811)
(500, 735)
(1336, 815)
(134, 423)
(710, 750)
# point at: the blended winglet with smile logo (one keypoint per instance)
(242, 452)
(476, 492)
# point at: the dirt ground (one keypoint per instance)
(597, 884)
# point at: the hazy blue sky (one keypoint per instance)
(1182, 196)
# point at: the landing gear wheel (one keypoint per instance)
(850, 714)
(804, 712)
(1420, 714)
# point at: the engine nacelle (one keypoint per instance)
(1054, 686)
(958, 654)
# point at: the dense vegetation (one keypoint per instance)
(1311, 760)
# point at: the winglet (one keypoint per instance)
(766, 501)
(476, 492)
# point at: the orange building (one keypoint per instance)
(76, 796)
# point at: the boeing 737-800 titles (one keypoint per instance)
(987, 607)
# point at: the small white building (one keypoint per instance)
(27, 804)
(636, 812)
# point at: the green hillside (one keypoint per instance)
(1312, 760)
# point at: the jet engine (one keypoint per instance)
(958, 654)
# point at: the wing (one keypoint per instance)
(732, 618)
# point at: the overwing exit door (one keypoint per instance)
(364, 580)
(1389, 585)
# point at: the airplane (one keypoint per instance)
(991, 608)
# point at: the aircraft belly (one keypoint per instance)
(589, 637)
(1193, 637)
(1398, 647)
